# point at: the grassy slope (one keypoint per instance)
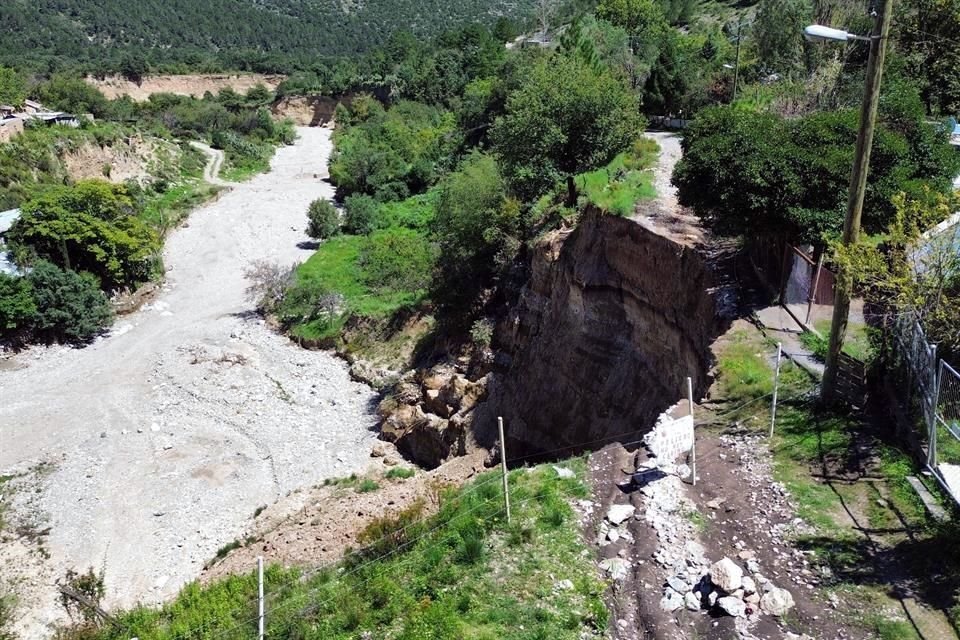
(464, 574)
(809, 443)
(624, 182)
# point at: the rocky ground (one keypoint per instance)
(141, 455)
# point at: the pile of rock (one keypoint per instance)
(429, 413)
(727, 589)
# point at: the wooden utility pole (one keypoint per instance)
(776, 388)
(503, 468)
(858, 187)
(260, 597)
(693, 448)
(736, 66)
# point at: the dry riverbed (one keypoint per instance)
(144, 453)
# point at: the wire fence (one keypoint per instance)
(933, 387)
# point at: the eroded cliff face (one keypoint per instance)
(613, 320)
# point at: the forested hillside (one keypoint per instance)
(270, 34)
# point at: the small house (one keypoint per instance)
(7, 266)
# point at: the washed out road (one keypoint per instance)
(161, 440)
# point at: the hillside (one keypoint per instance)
(105, 33)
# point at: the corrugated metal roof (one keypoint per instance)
(7, 218)
(7, 266)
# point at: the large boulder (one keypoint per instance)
(776, 602)
(726, 575)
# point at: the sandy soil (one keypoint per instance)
(665, 216)
(163, 438)
(183, 85)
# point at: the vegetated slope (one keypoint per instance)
(191, 30)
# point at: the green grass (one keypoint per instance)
(625, 181)
(164, 211)
(367, 485)
(400, 473)
(744, 369)
(463, 574)
(334, 267)
(856, 342)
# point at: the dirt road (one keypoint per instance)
(211, 173)
(163, 438)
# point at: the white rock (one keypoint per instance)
(563, 585)
(671, 600)
(620, 512)
(563, 472)
(678, 585)
(749, 586)
(777, 602)
(727, 575)
(692, 601)
(618, 568)
(733, 606)
(712, 598)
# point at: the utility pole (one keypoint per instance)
(736, 65)
(260, 598)
(858, 187)
(776, 388)
(503, 468)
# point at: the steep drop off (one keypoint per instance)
(612, 321)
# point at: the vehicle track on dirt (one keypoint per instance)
(162, 438)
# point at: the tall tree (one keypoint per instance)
(778, 30)
(566, 119)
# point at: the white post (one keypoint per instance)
(776, 387)
(260, 597)
(693, 449)
(503, 467)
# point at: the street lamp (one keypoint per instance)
(858, 177)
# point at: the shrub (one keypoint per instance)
(90, 227)
(268, 282)
(17, 307)
(324, 220)
(399, 473)
(90, 586)
(397, 259)
(70, 306)
(361, 214)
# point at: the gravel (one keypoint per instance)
(165, 436)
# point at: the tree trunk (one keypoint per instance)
(571, 191)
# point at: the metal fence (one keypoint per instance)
(934, 387)
(943, 452)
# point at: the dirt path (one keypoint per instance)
(165, 436)
(665, 216)
(211, 173)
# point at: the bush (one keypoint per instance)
(268, 282)
(361, 213)
(17, 308)
(89, 227)
(397, 259)
(70, 306)
(324, 220)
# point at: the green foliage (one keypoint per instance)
(70, 93)
(748, 173)
(566, 119)
(779, 25)
(640, 17)
(367, 485)
(213, 35)
(361, 214)
(69, 306)
(17, 307)
(396, 260)
(323, 220)
(928, 32)
(390, 154)
(422, 578)
(399, 473)
(476, 228)
(13, 88)
(626, 180)
(90, 227)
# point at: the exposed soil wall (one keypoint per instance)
(182, 85)
(613, 320)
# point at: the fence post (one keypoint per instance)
(693, 448)
(260, 597)
(932, 436)
(503, 467)
(816, 283)
(776, 387)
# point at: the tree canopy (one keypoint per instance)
(568, 117)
